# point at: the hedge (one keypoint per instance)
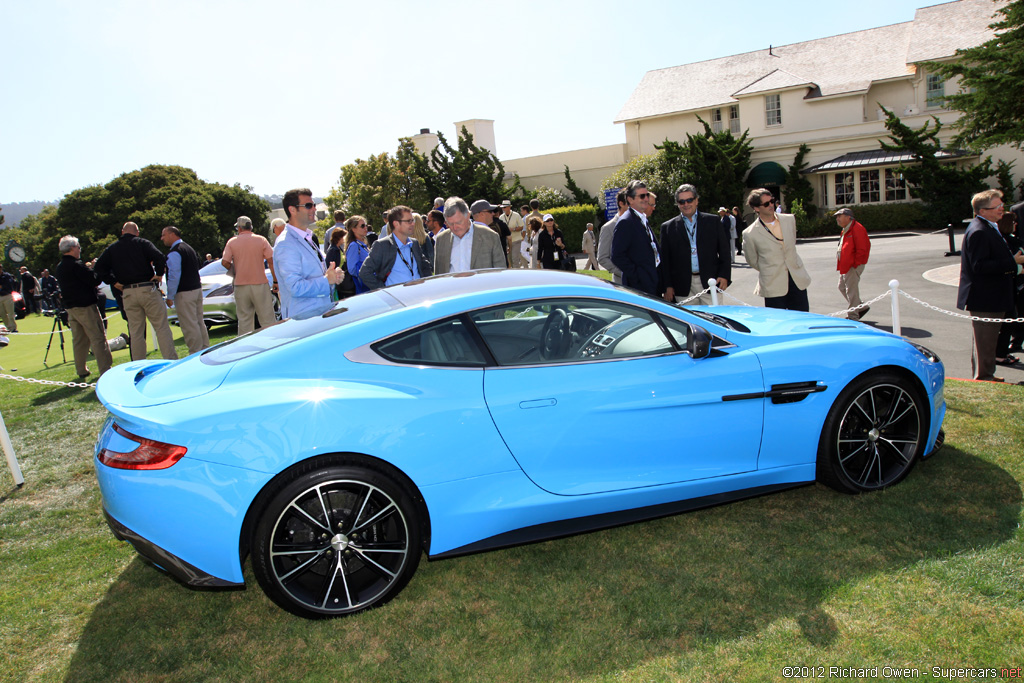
(874, 217)
(572, 221)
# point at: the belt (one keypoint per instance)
(147, 283)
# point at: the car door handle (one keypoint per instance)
(538, 403)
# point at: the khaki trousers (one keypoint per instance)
(849, 287)
(189, 306)
(7, 312)
(983, 350)
(514, 254)
(254, 300)
(140, 304)
(87, 332)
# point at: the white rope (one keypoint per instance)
(961, 315)
(861, 306)
(32, 380)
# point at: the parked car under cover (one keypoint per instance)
(474, 411)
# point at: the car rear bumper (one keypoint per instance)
(169, 562)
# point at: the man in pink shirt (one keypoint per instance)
(246, 252)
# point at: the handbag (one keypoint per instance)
(347, 286)
(567, 262)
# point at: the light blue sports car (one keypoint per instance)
(480, 410)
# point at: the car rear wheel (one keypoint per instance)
(873, 435)
(336, 541)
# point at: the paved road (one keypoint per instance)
(907, 258)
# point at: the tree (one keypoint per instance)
(153, 197)
(371, 187)
(465, 171)
(715, 163)
(945, 187)
(798, 188)
(1004, 176)
(650, 168)
(990, 77)
(580, 195)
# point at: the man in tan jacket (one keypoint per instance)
(769, 245)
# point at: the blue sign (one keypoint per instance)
(611, 207)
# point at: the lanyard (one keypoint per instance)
(398, 250)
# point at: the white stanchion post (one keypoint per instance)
(12, 462)
(894, 290)
(713, 284)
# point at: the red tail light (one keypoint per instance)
(149, 455)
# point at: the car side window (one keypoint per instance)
(445, 343)
(680, 331)
(569, 330)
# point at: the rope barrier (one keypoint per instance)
(53, 382)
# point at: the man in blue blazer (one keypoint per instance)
(987, 267)
(634, 249)
(304, 281)
(694, 249)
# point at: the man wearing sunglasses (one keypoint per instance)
(769, 245)
(304, 280)
(695, 249)
(634, 249)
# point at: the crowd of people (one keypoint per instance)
(675, 263)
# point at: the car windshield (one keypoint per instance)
(213, 268)
(343, 313)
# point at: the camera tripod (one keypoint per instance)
(58, 327)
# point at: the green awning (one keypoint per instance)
(766, 173)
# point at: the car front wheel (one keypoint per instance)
(336, 541)
(873, 435)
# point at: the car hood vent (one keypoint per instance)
(151, 383)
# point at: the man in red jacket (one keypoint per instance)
(851, 256)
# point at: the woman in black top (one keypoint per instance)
(550, 244)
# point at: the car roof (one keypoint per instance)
(451, 285)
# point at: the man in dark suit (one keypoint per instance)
(694, 249)
(1018, 210)
(986, 290)
(634, 250)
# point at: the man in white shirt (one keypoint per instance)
(466, 245)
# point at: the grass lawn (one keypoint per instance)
(927, 574)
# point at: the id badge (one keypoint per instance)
(556, 255)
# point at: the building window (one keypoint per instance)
(870, 190)
(734, 119)
(716, 120)
(844, 188)
(895, 186)
(772, 110)
(935, 91)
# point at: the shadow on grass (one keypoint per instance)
(574, 608)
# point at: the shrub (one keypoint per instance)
(572, 221)
(876, 218)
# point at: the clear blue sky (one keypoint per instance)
(281, 94)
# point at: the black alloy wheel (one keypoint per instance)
(874, 434)
(336, 541)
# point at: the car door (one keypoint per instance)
(619, 404)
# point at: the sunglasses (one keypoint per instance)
(645, 195)
(683, 202)
(768, 202)
(307, 206)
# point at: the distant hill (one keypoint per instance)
(15, 212)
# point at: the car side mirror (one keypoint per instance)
(699, 345)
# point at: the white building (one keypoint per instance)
(827, 93)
